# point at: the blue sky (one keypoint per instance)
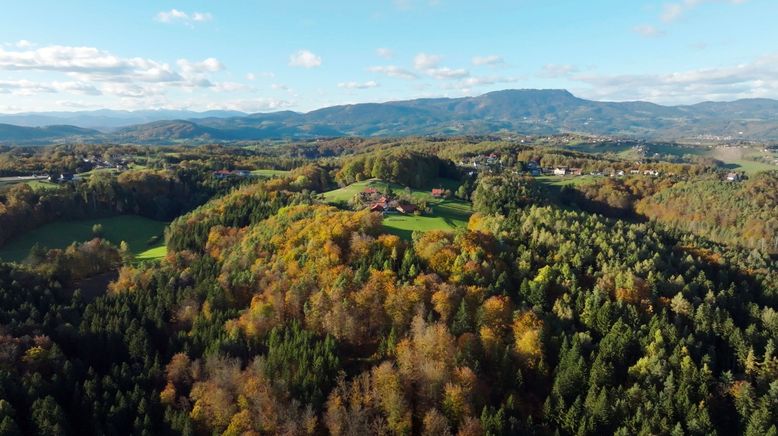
(301, 55)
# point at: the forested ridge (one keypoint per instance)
(274, 313)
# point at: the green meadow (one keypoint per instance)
(269, 173)
(446, 214)
(138, 232)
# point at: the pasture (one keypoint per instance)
(269, 174)
(144, 236)
(447, 214)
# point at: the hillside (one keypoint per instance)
(525, 111)
(19, 134)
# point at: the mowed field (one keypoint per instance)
(135, 230)
(268, 174)
(751, 167)
(446, 214)
(566, 180)
(8, 182)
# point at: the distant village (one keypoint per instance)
(493, 164)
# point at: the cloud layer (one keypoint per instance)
(754, 79)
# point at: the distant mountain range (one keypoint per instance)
(510, 111)
(106, 119)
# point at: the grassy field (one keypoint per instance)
(750, 167)
(135, 230)
(565, 180)
(446, 214)
(269, 173)
(35, 184)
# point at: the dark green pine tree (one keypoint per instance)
(463, 322)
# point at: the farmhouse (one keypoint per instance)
(64, 177)
(222, 174)
(438, 193)
(560, 171)
(406, 208)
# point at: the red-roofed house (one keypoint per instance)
(438, 193)
(406, 208)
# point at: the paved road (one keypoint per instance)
(22, 178)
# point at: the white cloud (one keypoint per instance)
(447, 73)
(131, 90)
(358, 85)
(251, 105)
(304, 59)
(385, 53)
(202, 16)
(425, 61)
(394, 71)
(755, 79)
(429, 64)
(23, 43)
(465, 85)
(554, 71)
(648, 31)
(176, 16)
(230, 87)
(88, 62)
(24, 87)
(488, 60)
(90, 71)
(76, 88)
(673, 11)
(280, 86)
(251, 76)
(210, 65)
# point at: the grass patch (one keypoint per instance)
(446, 214)
(565, 180)
(750, 167)
(269, 174)
(152, 253)
(135, 230)
(34, 184)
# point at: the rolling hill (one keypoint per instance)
(19, 134)
(511, 111)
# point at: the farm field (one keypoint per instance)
(135, 230)
(446, 214)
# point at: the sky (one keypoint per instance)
(260, 56)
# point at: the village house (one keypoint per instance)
(406, 209)
(560, 171)
(222, 174)
(438, 193)
(733, 177)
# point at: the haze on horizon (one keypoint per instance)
(205, 55)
